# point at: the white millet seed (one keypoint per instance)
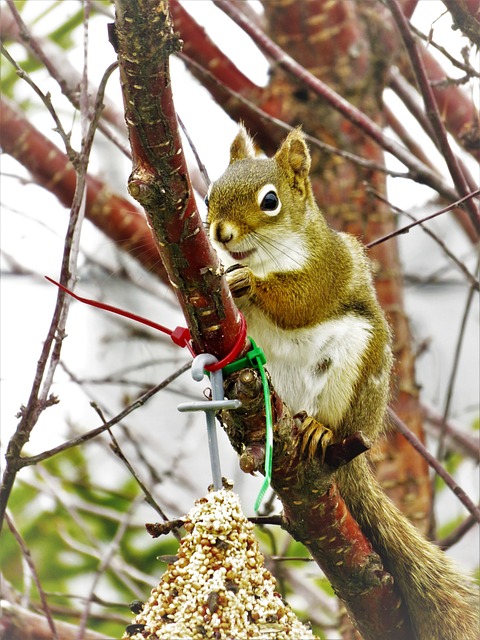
(219, 587)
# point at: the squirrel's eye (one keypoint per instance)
(207, 197)
(269, 201)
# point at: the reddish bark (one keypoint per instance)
(198, 45)
(222, 75)
(118, 218)
(159, 180)
(431, 106)
(458, 112)
(333, 538)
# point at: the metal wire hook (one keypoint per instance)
(210, 407)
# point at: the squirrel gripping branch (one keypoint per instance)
(307, 294)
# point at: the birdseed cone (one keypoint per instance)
(218, 587)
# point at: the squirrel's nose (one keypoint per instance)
(223, 233)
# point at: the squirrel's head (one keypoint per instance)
(258, 209)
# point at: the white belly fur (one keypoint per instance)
(294, 361)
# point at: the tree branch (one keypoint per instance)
(113, 215)
(329, 532)
(18, 623)
(433, 113)
(433, 462)
(160, 181)
(422, 173)
(464, 18)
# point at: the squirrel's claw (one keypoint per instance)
(312, 436)
(239, 280)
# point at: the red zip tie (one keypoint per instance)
(237, 347)
(180, 335)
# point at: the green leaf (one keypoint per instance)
(451, 464)
(446, 529)
(62, 35)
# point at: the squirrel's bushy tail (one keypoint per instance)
(443, 604)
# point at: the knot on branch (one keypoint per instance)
(293, 461)
(146, 30)
(147, 192)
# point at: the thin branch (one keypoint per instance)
(50, 354)
(418, 170)
(124, 572)
(114, 215)
(469, 70)
(404, 91)
(117, 450)
(454, 371)
(45, 98)
(459, 439)
(106, 559)
(458, 533)
(406, 137)
(464, 19)
(474, 283)
(19, 623)
(66, 76)
(74, 442)
(432, 111)
(266, 118)
(27, 555)
(420, 221)
(434, 463)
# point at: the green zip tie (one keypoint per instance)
(256, 358)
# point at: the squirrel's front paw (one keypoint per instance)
(240, 280)
(313, 435)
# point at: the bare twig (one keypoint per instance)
(265, 117)
(117, 450)
(469, 70)
(74, 442)
(458, 438)
(114, 215)
(432, 110)
(454, 371)
(19, 623)
(66, 76)
(75, 507)
(420, 221)
(50, 355)
(464, 19)
(26, 554)
(421, 173)
(106, 559)
(435, 464)
(458, 533)
(45, 98)
(470, 277)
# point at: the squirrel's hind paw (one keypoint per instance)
(313, 435)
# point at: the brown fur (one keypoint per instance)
(332, 282)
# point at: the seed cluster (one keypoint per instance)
(218, 587)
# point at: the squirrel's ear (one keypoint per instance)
(242, 147)
(294, 156)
